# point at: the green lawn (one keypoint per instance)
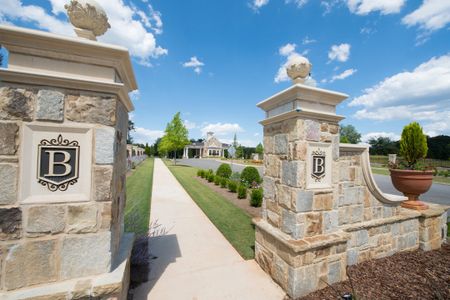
(437, 179)
(139, 192)
(232, 221)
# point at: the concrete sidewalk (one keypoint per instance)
(194, 260)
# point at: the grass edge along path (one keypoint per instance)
(139, 192)
(235, 225)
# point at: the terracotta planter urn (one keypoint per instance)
(412, 184)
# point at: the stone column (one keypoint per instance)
(297, 241)
(63, 129)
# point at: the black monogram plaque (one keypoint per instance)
(318, 165)
(58, 163)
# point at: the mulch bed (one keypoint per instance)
(232, 197)
(407, 275)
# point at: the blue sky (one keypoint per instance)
(214, 60)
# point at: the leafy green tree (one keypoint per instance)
(382, 146)
(147, 150)
(259, 149)
(413, 144)
(239, 152)
(350, 135)
(439, 147)
(235, 142)
(175, 137)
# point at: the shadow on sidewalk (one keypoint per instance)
(164, 250)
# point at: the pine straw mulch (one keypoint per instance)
(244, 204)
(407, 275)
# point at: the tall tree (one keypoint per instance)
(175, 137)
(147, 149)
(350, 135)
(259, 149)
(235, 142)
(382, 146)
(130, 129)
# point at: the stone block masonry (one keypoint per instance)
(322, 210)
(63, 167)
(73, 235)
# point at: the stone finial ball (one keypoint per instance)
(88, 15)
(298, 68)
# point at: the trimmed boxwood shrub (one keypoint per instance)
(242, 191)
(256, 197)
(223, 182)
(250, 175)
(224, 170)
(201, 173)
(236, 176)
(232, 186)
(217, 180)
(211, 177)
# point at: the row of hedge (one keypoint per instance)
(236, 183)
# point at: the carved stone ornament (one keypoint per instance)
(58, 163)
(298, 69)
(88, 17)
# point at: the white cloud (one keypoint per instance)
(299, 3)
(366, 137)
(135, 95)
(343, 75)
(130, 27)
(385, 7)
(221, 128)
(143, 135)
(339, 52)
(307, 41)
(287, 49)
(189, 125)
(421, 95)
(430, 16)
(328, 5)
(195, 64)
(257, 4)
(430, 80)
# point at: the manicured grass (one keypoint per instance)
(231, 221)
(139, 192)
(437, 179)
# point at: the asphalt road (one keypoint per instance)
(439, 193)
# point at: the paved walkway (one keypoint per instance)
(194, 260)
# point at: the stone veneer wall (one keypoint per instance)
(308, 237)
(43, 243)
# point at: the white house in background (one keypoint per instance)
(211, 147)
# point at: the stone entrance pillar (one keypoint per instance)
(322, 209)
(297, 241)
(63, 125)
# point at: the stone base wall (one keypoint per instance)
(305, 265)
(60, 239)
(309, 233)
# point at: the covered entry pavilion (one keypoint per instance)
(211, 147)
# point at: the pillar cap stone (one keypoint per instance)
(300, 99)
(48, 59)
